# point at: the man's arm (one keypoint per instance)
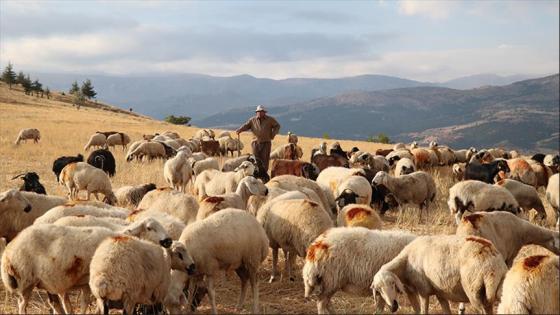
(275, 128)
(246, 126)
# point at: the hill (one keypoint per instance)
(484, 79)
(523, 115)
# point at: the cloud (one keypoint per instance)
(436, 10)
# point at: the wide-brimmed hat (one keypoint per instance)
(260, 108)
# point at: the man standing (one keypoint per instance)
(264, 128)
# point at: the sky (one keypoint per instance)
(420, 40)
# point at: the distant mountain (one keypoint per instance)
(481, 80)
(199, 96)
(522, 115)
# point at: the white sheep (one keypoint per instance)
(291, 183)
(531, 286)
(199, 166)
(180, 205)
(214, 182)
(119, 138)
(404, 166)
(96, 140)
(399, 154)
(458, 170)
(28, 134)
(332, 262)
(175, 301)
(123, 264)
(453, 268)
(475, 196)
(177, 171)
(292, 225)
(247, 187)
(149, 149)
(526, 196)
(227, 240)
(228, 144)
(359, 215)
(171, 224)
(332, 176)
(417, 188)
(114, 224)
(285, 152)
(508, 232)
(552, 195)
(231, 164)
(204, 133)
(53, 214)
(130, 196)
(58, 257)
(353, 189)
(82, 176)
(224, 133)
(463, 156)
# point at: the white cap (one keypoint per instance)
(260, 108)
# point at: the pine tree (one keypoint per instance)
(75, 88)
(79, 99)
(27, 85)
(9, 76)
(87, 90)
(20, 78)
(48, 92)
(37, 87)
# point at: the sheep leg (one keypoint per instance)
(243, 274)
(85, 299)
(424, 304)
(96, 196)
(255, 286)
(211, 293)
(461, 308)
(414, 302)
(54, 303)
(290, 261)
(444, 305)
(23, 300)
(274, 265)
(66, 303)
(323, 306)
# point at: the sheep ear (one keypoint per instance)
(135, 228)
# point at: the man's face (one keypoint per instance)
(261, 114)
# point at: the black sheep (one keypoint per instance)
(103, 159)
(485, 172)
(62, 161)
(539, 157)
(31, 183)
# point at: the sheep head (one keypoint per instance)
(387, 285)
(150, 230)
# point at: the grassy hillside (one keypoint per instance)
(65, 130)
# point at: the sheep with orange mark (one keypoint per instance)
(526, 196)
(82, 176)
(353, 189)
(475, 196)
(354, 215)
(522, 171)
(28, 134)
(531, 286)
(291, 183)
(230, 239)
(214, 182)
(453, 268)
(58, 258)
(247, 187)
(177, 204)
(508, 232)
(292, 225)
(331, 263)
(122, 264)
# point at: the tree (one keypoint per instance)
(380, 138)
(79, 99)
(48, 92)
(20, 78)
(87, 89)
(75, 88)
(27, 85)
(326, 136)
(177, 120)
(37, 87)
(9, 76)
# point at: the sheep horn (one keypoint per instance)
(17, 176)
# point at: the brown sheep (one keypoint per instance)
(210, 147)
(294, 167)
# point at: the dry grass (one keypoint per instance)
(65, 130)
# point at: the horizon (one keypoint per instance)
(427, 41)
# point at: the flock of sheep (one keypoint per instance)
(143, 245)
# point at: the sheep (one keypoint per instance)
(453, 268)
(82, 176)
(171, 134)
(359, 215)
(482, 156)
(331, 263)
(96, 140)
(336, 149)
(399, 146)
(526, 196)
(83, 220)
(57, 212)
(475, 196)
(321, 150)
(552, 161)
(292, 225)
(177, 171)
(485, 172)
(296, 168)
(228, 144)
(542, 173)
(552, 192)
(508, 232)
(289, 151)
(404, 166)
(204, 133)
(513, 154)
(230, 239)
(175, 299)
(292, 138)
(210, 147)
(331, 177)
(182, 206)
(31, 183)
(463, 156)
(151, 150)
(120, 138)
(214, 182)
(353, 189)
(290, 183)
(122, 264)
(247, 186)
(210, 163)
(498, 153)
(521, 170)
(232, 163)
(224, 133)
(62, 161)
(27, 134)
(531, 287)
(383, 152)
(58, 257)
(174, 226)
(417, 188)
(130, 196)
(445, 154)
(458, 170)
(397, 155)
(375, 163)
(103, 160)
(324, 161)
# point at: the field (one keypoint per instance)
(65, 130)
